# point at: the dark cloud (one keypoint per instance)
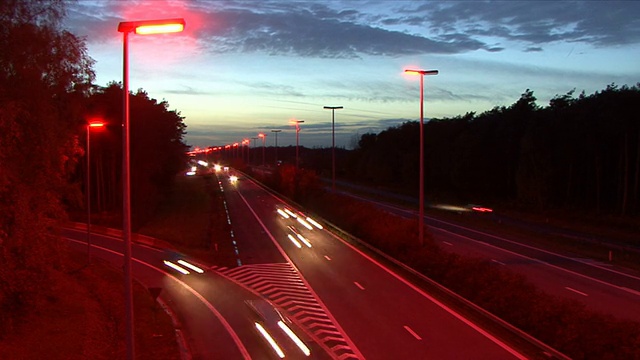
(601, 23)
(301, 32)
(352, 29)
(533, 49)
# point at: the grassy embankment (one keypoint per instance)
(83, 318)
(193, 219)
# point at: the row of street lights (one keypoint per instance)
(147, 27)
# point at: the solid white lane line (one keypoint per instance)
(447, 243)
(527, 246)
(497, 262)
(458, 316)
(412, 332)
(537, 261)
(358, 285)
(216, 313)
(576, 291)
(351, 344)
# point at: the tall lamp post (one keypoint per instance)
(422, 73)
(264, 139)
(253, 146)
(245, 144)
(333, 144)
(297, 124)
(276, 132)
(91, 124)
(143, 27)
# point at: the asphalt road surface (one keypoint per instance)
(600, 286)
(369, 312)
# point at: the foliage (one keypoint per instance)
(45, 73)
(576, 152)
(158, 152)
(563, 324)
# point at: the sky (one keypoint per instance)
(248, 66)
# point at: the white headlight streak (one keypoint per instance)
(270, 340)
(291, 213)
(295, 338)
(304, 223)
(294, 241)
(314, 223)
(283, 214)
(305, 241)
(190, 266)
(176, 267)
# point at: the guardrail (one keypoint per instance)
(534, 347)
(135, 237)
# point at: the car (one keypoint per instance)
(277, 330)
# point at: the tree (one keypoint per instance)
(158, 152)
(44, 70)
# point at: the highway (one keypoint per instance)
(210, 310)
(343, 303)
(348, 300)
(600, 286)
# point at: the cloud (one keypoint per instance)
(600, 23)
(533, 49)
(187, 90)
(352, 29)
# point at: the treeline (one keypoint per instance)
(158, 152)
(576, 152)
(47, 98)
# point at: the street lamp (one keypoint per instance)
(422, 73)
(264, 139)
(91, 124)
(333, 144)
(245, 144)
(253, 146)
(276, 132)
(143, 27)
(297, 124)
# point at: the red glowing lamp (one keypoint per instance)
(96, 124)
(148, 27)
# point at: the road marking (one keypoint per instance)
(576, 291)
(205, 302)
(635, 292)
(497, 262)
(433, 300)
(412, 332)
(328, 258)
(529, 247)
(350, 344)
(447, 243)
(534, 259)
(358, 285)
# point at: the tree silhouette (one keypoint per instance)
(45, 73)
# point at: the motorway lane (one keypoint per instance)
(601, 287)
(383, 316)
(211, 310)
(552, 275)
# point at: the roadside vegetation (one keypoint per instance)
(52, 306)
(563, 324)
(81, 316)
(193, 219)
